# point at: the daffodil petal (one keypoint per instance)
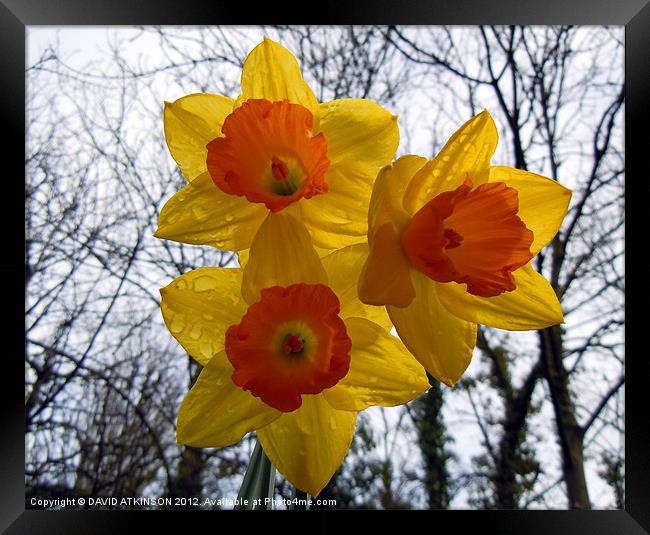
(217, 413)
(533, 305)
(191, 122)
(339, 217)
(242, 257)
(543, 202)
(466, 154)
(271, 72)
(359, 130)
(308, 445)
(281, 254)
(382, 371)
(388, 193)
(385, 278)
(202, 214)
(199, 306)
(440, 341)
(343, 268)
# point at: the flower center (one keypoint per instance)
(287, 180)
(279, 169)
(291, 342)
(269, 155)
(471, 236)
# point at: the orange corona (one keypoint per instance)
(269, 155)
(471, 236)
(291, 342)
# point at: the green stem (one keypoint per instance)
(267, 482)
(258, 485)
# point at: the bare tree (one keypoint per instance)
(103, 377)
(102, 385)
(560, 105)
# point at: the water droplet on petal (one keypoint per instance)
(200, 212)
(181, 284)
(195, 333)
(177, 324)
(204, 282)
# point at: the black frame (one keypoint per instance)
(15, 15)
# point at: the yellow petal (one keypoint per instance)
(242, 257)
(270, 71)
(359, 130)
(308, 445)
(202, 214)
(217, 413)
(199, 306)
(343, 268)
(440, 341)
(385, 278)
(339, 217)
(543, 202)
(382, 371)
(281, 254)
(533, 305)
(191, 123)
(467, 153)
(388, 193)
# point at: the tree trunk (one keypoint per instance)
(432, 440)
(188, 482)
(512, 458)
(569, 432)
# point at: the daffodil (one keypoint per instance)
(274, 148)
(288, 351)
(451, 241)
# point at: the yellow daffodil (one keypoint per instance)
(451, 241)
(274, 148)
(288, 350)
